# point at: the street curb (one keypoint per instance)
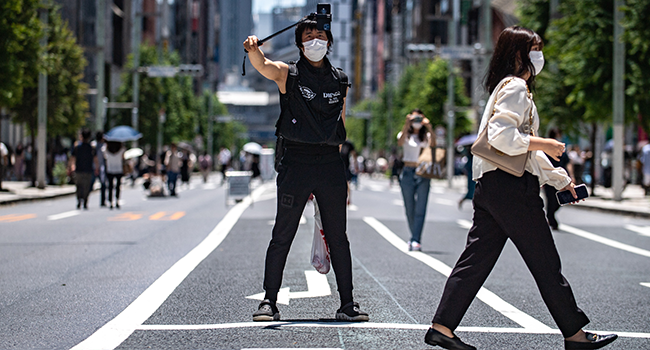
(33, 199)
(611, 209)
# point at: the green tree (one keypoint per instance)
(422, 86)
(20, 32)
(576, 90)
(64, 65)
(223, 134)
(173, 95)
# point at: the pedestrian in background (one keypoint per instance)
(186, 165)
(467, 169)
(309, 160)
(552, 204)
(507, 206)
(348, 151)
(224, 160)
(115, 165)
(416, 135)
(19, 163)
(577, 159)
(83, 162)
(173, 167)
(644, 158)
(205, 163)
(100, 148)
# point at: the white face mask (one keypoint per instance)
(315, 49)
(537, 58)
(416, 125)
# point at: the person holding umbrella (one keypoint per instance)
(115, 162)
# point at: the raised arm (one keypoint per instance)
(272, 70)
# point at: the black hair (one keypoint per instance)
(113, 146)
(511, 56)
(422, 133)
(308, 23)
(85, 135)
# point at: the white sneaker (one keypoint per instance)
(415, 246)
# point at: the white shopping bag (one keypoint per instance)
(320, 252)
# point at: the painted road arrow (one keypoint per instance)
(317, 286)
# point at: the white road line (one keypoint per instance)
(352, 207)
(317, 286)
(398, 202)
(610, 242)
(67, 214)
(291, 349)
(484, 295)
(642, 230)
(645, 284)
(364, 325)
(112, 334)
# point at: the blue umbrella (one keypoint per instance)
(122, 133)
(466, 140)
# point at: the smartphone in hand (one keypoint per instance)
(565, 197)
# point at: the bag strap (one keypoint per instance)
(343, 80)
(292, 77)
(530, 114)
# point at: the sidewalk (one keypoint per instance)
(20, 191)
(634, 200)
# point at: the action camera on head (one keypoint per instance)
(322, 16)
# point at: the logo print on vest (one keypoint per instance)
(307, 93)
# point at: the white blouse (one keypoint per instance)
(412, 147)
(114, 161)
(512, 105)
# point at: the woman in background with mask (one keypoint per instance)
(416, 134)
(310, 131)
(509, 207)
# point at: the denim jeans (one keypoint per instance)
(171, 182)
(415, 191)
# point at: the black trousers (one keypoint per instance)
(298, 176)
(116, 184)
(506, 206)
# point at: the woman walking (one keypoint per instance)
(507, 206)
(415, 135)
(114, 170)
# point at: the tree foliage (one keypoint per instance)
(186, 114)
(422, 86)
(64, 65)
(576, 88)
(20, 31)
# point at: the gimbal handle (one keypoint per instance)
(261, 42)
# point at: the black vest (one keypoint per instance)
(312, 106)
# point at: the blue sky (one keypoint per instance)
(265, 6)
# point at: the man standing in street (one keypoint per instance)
(311, 127)
(82, 161)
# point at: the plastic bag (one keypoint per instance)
(320, 252)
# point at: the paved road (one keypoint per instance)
(183, 273)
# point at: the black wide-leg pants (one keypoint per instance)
(506, 206)
(300, 175)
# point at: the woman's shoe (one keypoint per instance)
(434, 338)
(596, 341)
